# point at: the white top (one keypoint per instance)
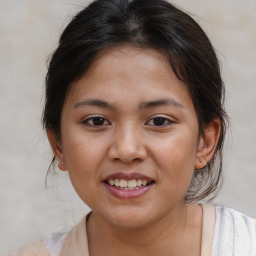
(225, 232)
(234, 234)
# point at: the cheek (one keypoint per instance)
(177, 150)
(176, 157)
(82, 156)
(81, 161)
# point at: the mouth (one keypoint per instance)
(133, 184)
(128, 185)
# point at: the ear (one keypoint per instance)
(57, 149)
(207, 143)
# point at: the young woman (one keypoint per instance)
(134, 112)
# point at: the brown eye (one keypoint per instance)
(96, 121)
(159, 121)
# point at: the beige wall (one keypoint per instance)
(29, 31)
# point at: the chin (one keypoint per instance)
(130, 217)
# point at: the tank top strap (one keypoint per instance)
(207, 229)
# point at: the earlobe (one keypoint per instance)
(57, 149)
(208, 144)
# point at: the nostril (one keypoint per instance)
(127, 150)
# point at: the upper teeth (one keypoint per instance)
(127, 183)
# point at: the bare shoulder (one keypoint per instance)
(32, 249)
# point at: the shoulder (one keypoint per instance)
(235, 218)
(234, 232)
(68, 242)
(32, 249)
(49, 247)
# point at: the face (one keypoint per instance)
(129, 137)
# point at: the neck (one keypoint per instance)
(163, 236)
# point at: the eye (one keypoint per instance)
(159, 121)
(96, 121)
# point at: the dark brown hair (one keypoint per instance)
(148, 24)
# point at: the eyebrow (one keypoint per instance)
(161, 102)
(93, 102)
(142, 105)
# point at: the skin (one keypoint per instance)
(128, 140)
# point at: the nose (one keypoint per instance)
(127, 145)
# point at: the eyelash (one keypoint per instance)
(161, 118)
(94, 118)
(104, 120)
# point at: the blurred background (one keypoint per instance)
(29, 31)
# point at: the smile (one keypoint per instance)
(133, 184)
(125, 185)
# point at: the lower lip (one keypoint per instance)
(128, 194)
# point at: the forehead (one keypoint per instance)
(130, 73)
(129, 60)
